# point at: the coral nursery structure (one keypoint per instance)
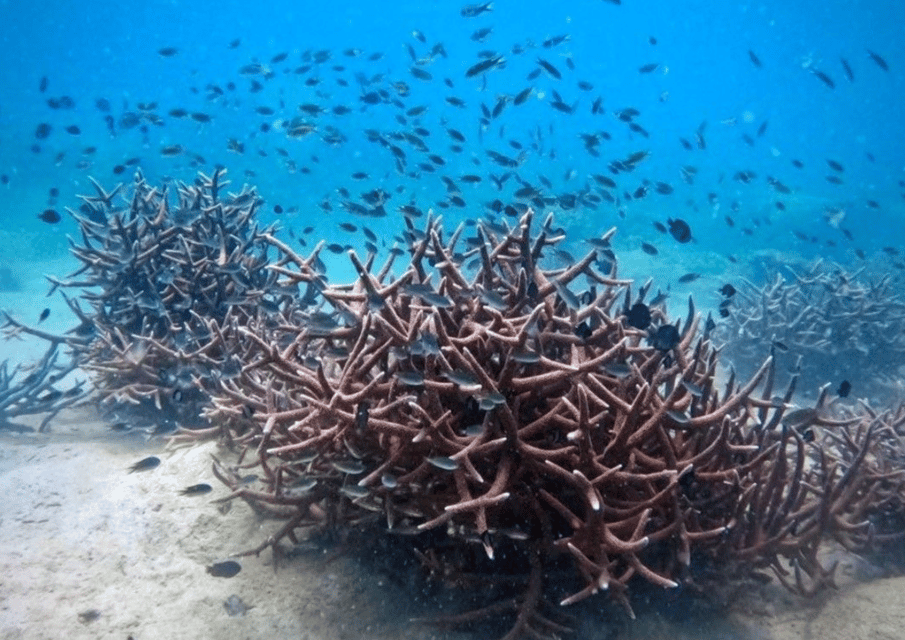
(514, 421)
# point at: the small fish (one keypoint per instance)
(567, 296)
(878, 59)
(225, 569)
(145, 464)
(801, 418)
(847, 69)
(443, 462)
(825, 79)
(844, 388)
(639, 316)
(352, 467)
(462, 378)
(689, 277)
(754, 59)
(235, 606)
(727, 290)
(43, 316)
(549, 68)
(485, 65)
(50, 216)
(196, 489)
(649, 249)
(410, 378)
(168, 52)
(679, 230)
(618, 369)
(473, 10)
(665, 338)
(354, 492)
(89, 615)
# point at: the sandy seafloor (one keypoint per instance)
(79, 534)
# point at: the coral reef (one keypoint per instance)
(840, 324)
(510, 429)
(160, 278)
(534, 434)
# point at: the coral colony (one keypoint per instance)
(841, 323)
(505, 419)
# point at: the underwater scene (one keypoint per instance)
(418, 320)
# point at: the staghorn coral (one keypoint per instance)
(840, 325)
(32, 390)
(161, 274)
(510, 429)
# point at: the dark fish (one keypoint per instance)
(689, 277)
(143, 465)
(473, 10)
(549, 68)
(824, 78)
(847, 69)
(42, 131)
(835, 166)
(679, 229)
(484, 65)
(665, 338)
(727, 290)
(878, 59)
(638, 316)
(844, 388)
(42, 87)
(73, 130)
(648, 68)
(754, 59)
(196, 490)
(226, 569)
(43, 316)
(168, 52)
(649, 249)
(50, 216)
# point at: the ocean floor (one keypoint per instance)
(88, 550)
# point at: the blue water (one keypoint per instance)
(705, 78)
